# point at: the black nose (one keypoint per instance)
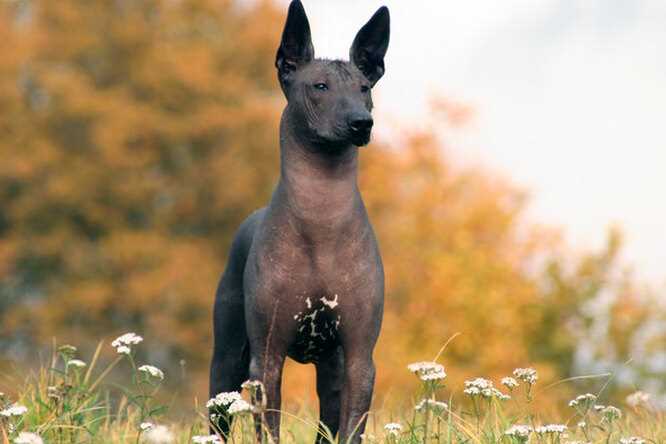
(361, 124)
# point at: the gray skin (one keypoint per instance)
(304, 277)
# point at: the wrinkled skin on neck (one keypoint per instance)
(318, 185)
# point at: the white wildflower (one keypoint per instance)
(159, 435)
(436, 406)
(251, 384)
(76, 363)
(472, 391)
(28, 438)
(528, 375)
(152, 371)
(494, 393)
(393, 428)
(223, 399)
(519, 431)
(123, 343)
(427, 370)
(239, 406)
(483, 387)
(479, 383)
(53, 392)
(638, 399)
(551, 428)
(599, 407)
(632, 440)
(585, 401)
(14, 410)
(611, 413)
(582, 424)
(67, 349)
(144, 426)
(509, 382)
(203, 439)
(127, 339)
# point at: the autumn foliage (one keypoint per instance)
(136, 135)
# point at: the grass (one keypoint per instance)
(71, 401)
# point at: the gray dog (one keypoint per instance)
(304, 277)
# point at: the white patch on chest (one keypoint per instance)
(308, 320)
(330, 303)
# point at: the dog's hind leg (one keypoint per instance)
(231, 351)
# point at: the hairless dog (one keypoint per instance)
(304, 277)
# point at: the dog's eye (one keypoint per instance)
(365, 88)
(321, 86)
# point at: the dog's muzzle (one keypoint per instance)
(360, 129)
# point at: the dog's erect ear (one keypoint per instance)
(370, 45)
(296, 47)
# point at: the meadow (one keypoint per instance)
(134, 148)
(70, 401)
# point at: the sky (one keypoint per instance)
(569, 99)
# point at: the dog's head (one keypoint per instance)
(331, 99)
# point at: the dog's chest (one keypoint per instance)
(317, 324)
(319, 284)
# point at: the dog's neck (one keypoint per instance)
(319, 186)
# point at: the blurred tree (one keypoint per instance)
(596, 319)
(136, 136)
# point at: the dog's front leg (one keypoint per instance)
(356, 394)
(330, 379)
(266, 366)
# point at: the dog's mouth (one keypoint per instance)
(343, 138)
(360, 138)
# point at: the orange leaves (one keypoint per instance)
(139, 135)
(451, 247)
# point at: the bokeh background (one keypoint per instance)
(515, 182)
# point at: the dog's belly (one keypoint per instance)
(316, 330)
